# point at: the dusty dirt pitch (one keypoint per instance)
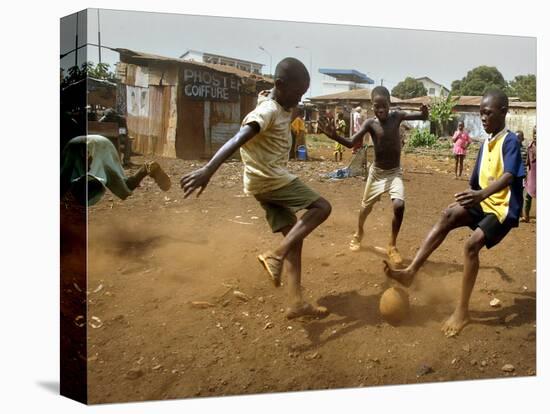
(154, 254)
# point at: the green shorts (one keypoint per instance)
(282, 204)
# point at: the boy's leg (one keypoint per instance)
(453, 217)
(293, 262)
(373, 189)
(279, 207)
(152, 169)
(355, 243)
(134, 180)
(460, 316)
(398, 212)
(317, 212)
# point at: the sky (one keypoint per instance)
(385, 55)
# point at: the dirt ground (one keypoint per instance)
(154, 254)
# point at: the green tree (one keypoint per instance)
(441, 113)
(409, 88)
(88, 69)
(478, 81)
(524, 87)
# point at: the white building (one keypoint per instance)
(204, 57)
(434, 88)
(343, 80)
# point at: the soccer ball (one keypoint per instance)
(394, 305)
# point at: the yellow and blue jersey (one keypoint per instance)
(498, 155)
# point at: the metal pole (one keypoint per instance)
(270, 58)
(98, 36)
(76, 43)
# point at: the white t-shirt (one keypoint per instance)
(265, 156)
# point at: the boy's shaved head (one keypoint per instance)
(381, 91)
(498, 96)
(291, 69)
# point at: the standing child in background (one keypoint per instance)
(357, 122)
(461, 141)
(340, 129)
(522, 148)
(385, 174)
(490, 207)
(264, 141)
(298, 129)
(531, 181)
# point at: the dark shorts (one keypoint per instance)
(493, 229)
(282, 204)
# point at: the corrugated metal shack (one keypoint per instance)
(184, 109)
(521, 115)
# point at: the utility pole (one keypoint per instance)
(76, 43)
(270, 58)
(98, 36)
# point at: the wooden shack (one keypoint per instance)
(184, 109)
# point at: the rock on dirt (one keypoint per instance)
(508, 368)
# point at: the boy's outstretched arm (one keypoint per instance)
(329, 130)
(470, 198)
(200, 178)
(421, 115)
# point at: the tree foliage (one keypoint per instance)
(524, 87)
(441, 113)
(478, 81)
(88, 69)
(409, 88)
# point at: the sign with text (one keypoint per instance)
(207, 85)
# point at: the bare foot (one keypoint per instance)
(403, 276)
(456, 322)
(355, 243)
(394, 255)
(155, 171)
(306, 309)
(273, 266)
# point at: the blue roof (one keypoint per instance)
(347, 75)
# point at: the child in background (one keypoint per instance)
(531, 180)
(340, 129)
(461, 141)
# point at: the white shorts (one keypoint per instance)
(383, 181)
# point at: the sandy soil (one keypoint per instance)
(154, 254)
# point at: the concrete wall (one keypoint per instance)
(517, 119)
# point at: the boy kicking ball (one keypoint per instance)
(491, 207)
(264, 141)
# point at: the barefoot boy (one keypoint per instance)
(491, 207)
(90, 164)
(385, 175)
(264, 141)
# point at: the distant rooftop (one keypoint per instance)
(220, 56)
(355, 95)
(350, 75)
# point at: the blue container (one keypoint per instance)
(302, 153)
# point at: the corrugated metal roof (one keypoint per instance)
(353, 95)
(220, 68)
(220, 56)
